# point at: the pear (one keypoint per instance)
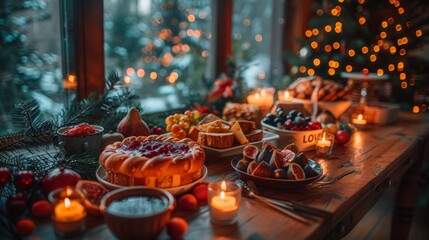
(133, 125)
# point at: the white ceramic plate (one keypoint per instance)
(101, 175)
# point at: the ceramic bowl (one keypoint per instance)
(90, 144)
(136, 226)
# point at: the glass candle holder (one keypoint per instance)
(284, 96)
(68, 211)
(359, 121)
(325, 144)
(224, 200)
(263, 98)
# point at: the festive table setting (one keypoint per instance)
(299, 167)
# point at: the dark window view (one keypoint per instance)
(30, 57)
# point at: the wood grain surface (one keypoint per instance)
(381, 155)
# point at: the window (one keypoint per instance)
(30, 57)
(159, 47)
(257, 28)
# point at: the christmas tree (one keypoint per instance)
(365, 36)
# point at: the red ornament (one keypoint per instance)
(24, 179)
(58, 178)
(16, 205)
(4, 176)
(25, 227)
(342, 136)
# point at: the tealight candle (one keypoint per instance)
(263, 98)
(285, 96)
(359, 120)
(68, 211)
(224, 200)
(325, 144)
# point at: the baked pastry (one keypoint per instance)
(154, 161)
(216, 140)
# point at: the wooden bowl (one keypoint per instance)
(136, 226)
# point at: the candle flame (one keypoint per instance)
(222, 195)
(286, 94)
(127, 80)
(68, 191)
(223, 185)
(257, 96)
(360, 117)
(67, 202)
(324, 137)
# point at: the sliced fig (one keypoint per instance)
(265, 154)
(289, 156)
(262, 170)
(250, 152)
(301, 159)
(292, 147)
(295, 172)
(279, 173)
(251, 167)
(276, 160)
(242, 165)
(310, 172)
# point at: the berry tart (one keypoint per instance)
(153, 161)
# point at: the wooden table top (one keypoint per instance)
(381, 154)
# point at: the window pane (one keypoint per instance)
(252, 38)
(30, 57)
(159, 47)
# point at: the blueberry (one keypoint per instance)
(292, 113)
(299, 121)
(270, 116)
(308, 119)
(277, 120)
(281, 113)
(300, 114)
(279, 109)
(282, 119)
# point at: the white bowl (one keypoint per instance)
(304, 140)
(101, 175)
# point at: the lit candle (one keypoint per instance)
(224, 205)
(325, 144)
(263, 98)
(285, 96)
(359, 120)
(70, 82)
(69, 211)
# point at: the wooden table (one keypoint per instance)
(385, 156)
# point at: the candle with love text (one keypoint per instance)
(224, 200)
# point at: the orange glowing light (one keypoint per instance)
(401, 10)
(331, 71)
(392, 49)
(140, 73)
(308, 33)
(398, 27)
(404, 85)
(373, 58)
(380, 72)
(315, 32)
(384, 24)
(383, 34)
(328, 28)
(334, 12)
(364, 50)
(153, 75)
(314, 45)
(316, 62)
(391, 67)
(400, 65)
(416, 109)
(338, 24)
(127, 80)
(419, 33)
(328, 48)
(349, 68)
(402, 76)
(302, 69)
(310, 72)
(352, 52)
(402, 52)
(376, 48)
(336, 45)
(130, 71)
(362, 20)
(338, 30)
(258, 38)
(191, 17)
(331, 63)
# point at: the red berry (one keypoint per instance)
(200, 191)
(177, 227)
(342, 137)
(41, 209)
(157, 130)
(296, 128)
(4, 175)
(25, 227)
(188, 202)
(24, 179)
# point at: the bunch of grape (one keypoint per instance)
(179, 124)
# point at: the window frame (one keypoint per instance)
(82, 35)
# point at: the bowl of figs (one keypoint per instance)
(277, 168)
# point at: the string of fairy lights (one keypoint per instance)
(394, 43)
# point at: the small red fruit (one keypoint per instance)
(342, 137)
(177, 227)
(41, 209)
(188, 202)
(25, 227)
(200, 191)
(157, 130)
